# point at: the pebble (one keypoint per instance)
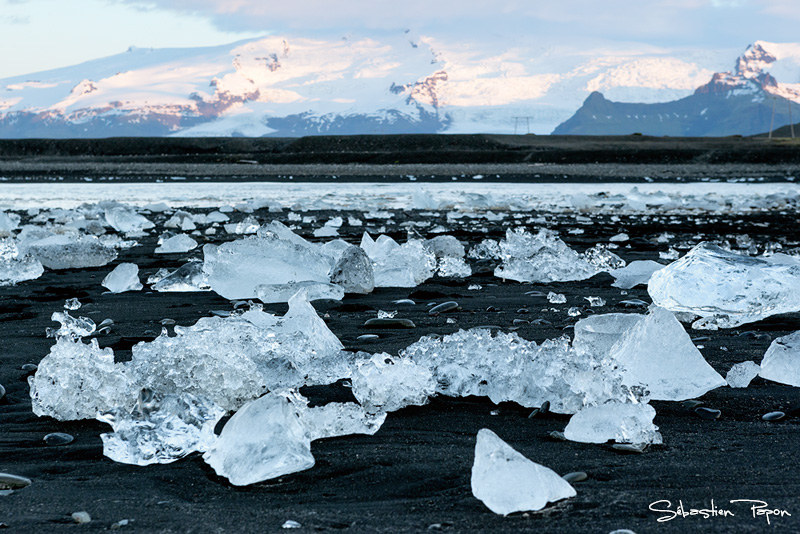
(545, 407)
(291, 524)
(12, 482)
(368, 337)
(577, 476)
(773, 416)
(523, 310)
(106, 322)
(167, 322)
(408, 302)
(389, 323)
(544, 322)
(220, 313)
(489, 327)
(520, 322)
(701, 338)
(2, 391)
(492, 309)
(691, 404)
(120, 523)
(444, 307)
(634, 303)
(637, 448)
(29, 368)
(557, 434)
(82, 517)
(707, 413)
(534, 413)
(58, 438)
(756, 336)
(535, 294)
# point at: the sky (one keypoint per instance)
(37, 35)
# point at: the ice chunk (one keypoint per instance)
(486, 250)
(353, 271)
(161, 428)
(177, 243)
(283, 292)
(181, 219)
(265, 439)
(395, 265)
(741, 374)
(543, 257)
(623, 423)
(728, 289)
(249, 225)
(71, 327)
(125, 220)
(188, 277)
(453, 267)
(125, 277)
(16, 267)
(657, 353)
(64, 252)
(596, 334)
(445, 246)
(781, 362)
(76, 380)
(337, 419)
(302, 318)
(506, 482)
(389, 384)
(635, 273)
(556, 298)
(8, 223)
(422, 200)
(234, 269)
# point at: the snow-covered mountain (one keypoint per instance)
(399, 83)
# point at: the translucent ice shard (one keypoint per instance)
(177, 243)
(389, 384)
(263, 440)
(125, 220)
(161, 428)
(76, 380)
(781, 362)
(741, 374)
(16, 267)
(657, 353)
(270, 293)
(72, 327)
(188, 277)
(395, 265)
(125, 277)
(543, 257)
(506, 482)
(8, 223)
(65, 252)
(596, 334)
(726, 288)
(635, 273)
(621, 422)
(337, 419)
(353, 271)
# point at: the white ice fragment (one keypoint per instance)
(506, 482)
(157, 207)
(728, 289)
(265, 439)
(741, 374)
(621, 422)
(658, 354)
(384, 383)
(64, 252)
(161, 428)
(125, 277)
(453, 267)
(125, 220)
(395, 265)
(16, 267)
(635, 273)
(422, 200)
(445, 246)
(781, 362)
(619, 238)
(353, 271)
(595, 301)
(338, 419)
(71, 327)
(217, 216)
(76, 380)
(556, 298)
(326, 231)
(177, 243)
(181, 219)
(596, 334)
(270, 293)
(188, 277)
(72, 304)
(8, 223)
(248, 225)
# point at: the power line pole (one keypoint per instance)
(527, 124)
(772, 119)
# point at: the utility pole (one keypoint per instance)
(527, 124)
(772, 120)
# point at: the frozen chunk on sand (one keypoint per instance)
(741, 374)
(65, 252)
(395, 265)
(621, 422)
(389, 384)
(635, 273)
(727, 289)
(271, 293)
(596, 334)
(507, 482)
(125, 277)
(353, 271)
(176, 244)
(781, 362)
(161, 428)
(16, 267)
(657, 353)
(124, 219)
(188, 277)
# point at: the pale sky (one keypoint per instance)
(36, 35)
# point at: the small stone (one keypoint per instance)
(492, 309)
(534, 413)
(635, 448)
(535, 294)
(368, 337)
(291, 524)
(634, 303)
(558, 435)
(444, 307)
(81, 517)
(691, 404)
(407, 302)
(773, 416)
(577, 476)
(58, 438)
(13, 482)
(167, 322)
(389, 323)
(106, 322)
(707, 413)
(544, 408)
(119, 524)
(518, 322)
(523, 311)
(2, 391)
(622, 531)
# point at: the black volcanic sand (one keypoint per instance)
(414, 474)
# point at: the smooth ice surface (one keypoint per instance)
(506, 482)
(16, 267)
(543, 257)
(635, 273)
(188, 277)
(596, 334)
(283, 292)
(781, 362)
(623, 423)
(657, 353)
(77, 380)
(741, 374)
(175, 244)
(395, 265)
(728, 289)
(8, 223)
(389, 384)
(124, 277)
(161, 428)
(265, 439)
(124, 219)
(64, 252)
